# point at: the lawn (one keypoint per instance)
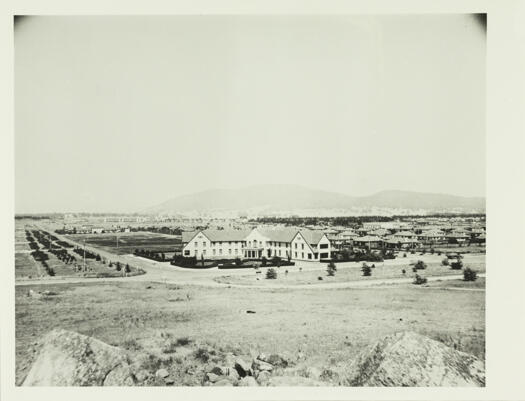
(351, 271)
(321, 328)
(128, 242)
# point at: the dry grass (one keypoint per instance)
(324, 328)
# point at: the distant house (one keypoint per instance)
(286, 243)
(401, 243)
(97, 230)
(368, 242)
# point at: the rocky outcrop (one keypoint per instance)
(71, 359)
(410, 359)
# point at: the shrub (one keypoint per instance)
(420, 265)
(238, 262)
(367, 270)
(263, 261)
(128, 269)
(420, 280)
(118, 266)
(271, 274)
(404, 271)
(444, 262)
(405, 255)
(331, 269)
(469, 274)
(319, 278)
(432, 251)
(457, 265)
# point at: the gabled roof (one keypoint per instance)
(279, 234)
(312, 236)
(406, 233)
(217, 235)
(368, 238)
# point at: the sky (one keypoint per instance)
(117, 114)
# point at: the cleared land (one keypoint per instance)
(128, 242)
(321, 328)
(351, 271)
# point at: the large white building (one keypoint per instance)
(286, 243)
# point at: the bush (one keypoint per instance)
(405, 255)
(367, 270)
(444, 262)
(271, 274)
(420, 265)
(420, 280)
(128, 269)
(457, 265)
(238, 262)
(263, 261)
(469, 274)
(331, 269)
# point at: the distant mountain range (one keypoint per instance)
(272, 198)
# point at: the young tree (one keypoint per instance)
(367, 270)
(263, 261)
(420, 265)
(419, 280)
(331, 269)
(271, 273)
(469, 274)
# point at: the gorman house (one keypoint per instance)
(257, 243)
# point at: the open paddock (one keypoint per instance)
(325, 329)
(128, 242)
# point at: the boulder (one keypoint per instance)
(212, 377)
(242, 367)
(410, 359)
(162, 373)
(258, 365)
(274, 359)
(70, 359)
(248, 381)
(263, 378)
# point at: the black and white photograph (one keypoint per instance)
(251, 200)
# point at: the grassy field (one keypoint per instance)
(350, 272)
(128, 242)
(321, 328)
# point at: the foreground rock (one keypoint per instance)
(410, 359)
(71, 359)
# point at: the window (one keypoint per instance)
(187, 253)
(214, 252)
(323, 246)
(302, 246)
(296, 245)
(204, 252)
(196, 244)
(229, 251)
(195, 252)
(294, 252)
(236, 251)
(309, 256)
(302, 255)
(279, 252)
(220, 251)
(204, 244)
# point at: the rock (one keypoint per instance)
(233, 374)
(169, 381)
(212, 377)
(67, 358)
(261, 365)
(274, 359)
(220, 370)
(142, 375)
(263, 377)
(294, 381)
(242, 367)
(248, 381)
(34, 294)
(410, 359)
(162, 373)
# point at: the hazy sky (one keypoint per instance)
(121, 113)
